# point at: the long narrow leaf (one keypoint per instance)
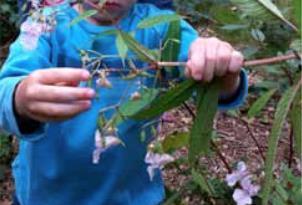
(297, 12)
(203, 125)
(172, 48)
(175, 141)
(142, 53)
(202, 182)
(296, 121)
(83, 16)
(159, 19)
(260, 103)
(172, 98)
(121, 46)
(279, 120)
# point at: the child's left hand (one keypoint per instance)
(211, 57)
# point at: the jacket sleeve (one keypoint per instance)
(20, 63)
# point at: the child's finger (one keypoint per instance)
(48, 93)
(236, 62)
(61, 75)
(224, 55)
(45, 111)
(197, 63)
(210, 59)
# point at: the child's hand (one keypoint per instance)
(211, 57)
(52, 94)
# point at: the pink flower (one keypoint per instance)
(32, 29)
(31, 32)
(246, 184)
(244, 195)
(237, 175)
(102, 143)
(156, 161)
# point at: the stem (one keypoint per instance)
(220, 155)
(288, 75)
(254, 139)
(259, 62)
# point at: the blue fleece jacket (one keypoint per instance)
(54, 165)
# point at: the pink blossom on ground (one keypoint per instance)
(156, 161)
(244, 194)
(241, 197)
(240, 172)
(246, 184)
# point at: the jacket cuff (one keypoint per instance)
(8, 118)
(238, 98)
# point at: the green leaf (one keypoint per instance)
(201, 181)
(283, 195)
(262, 9)
(279, 120)
(106, 33)
(83, 16)
(207, 102)
(172, 48)
(121, 46)
(297, 13)
(159, 19)
(296, 121)
(142, 53)
(260, 103)
(172, 98)
(224, 15)
(131, 107)
(234, 27)
(175, 141)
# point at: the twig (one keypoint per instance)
(254, 138)
(220, 155)
(288, 75)
(258, 62)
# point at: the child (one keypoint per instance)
(55, 119)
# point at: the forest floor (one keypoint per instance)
(237, 140)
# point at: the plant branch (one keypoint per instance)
(258, 62)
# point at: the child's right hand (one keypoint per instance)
(53, 95)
